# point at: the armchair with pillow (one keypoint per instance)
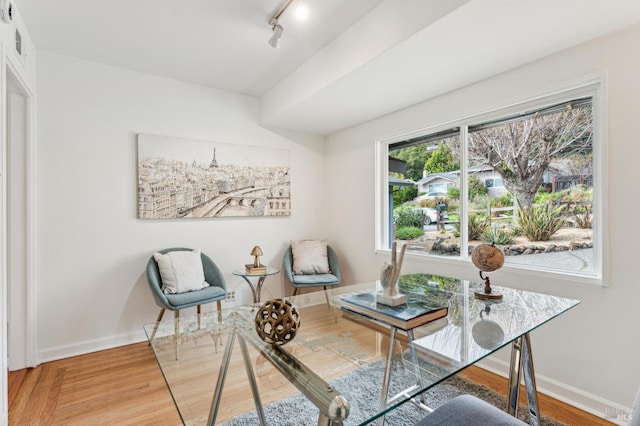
(180, 278)
(311, 263)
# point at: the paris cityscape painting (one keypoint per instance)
(184, 178)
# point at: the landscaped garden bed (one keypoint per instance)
(446, 243)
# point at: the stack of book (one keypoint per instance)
(405, 317)
(257, 270)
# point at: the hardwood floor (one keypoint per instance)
(124, 386)
(121, 386)
(551, 407)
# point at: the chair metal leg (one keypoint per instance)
(326, 296)
(176, 335)
(219, 306)
(155, 327)
(199, 312)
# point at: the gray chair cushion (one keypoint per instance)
(468, 410)
(315, 280)
(198, 297)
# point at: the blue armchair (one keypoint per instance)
(216, 291)
(313, 280)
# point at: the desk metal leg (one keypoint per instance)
(222, 376)
(326, 421)
(514, 377)
(530, 381)
(384, 394)
(387, 373)
(522, 359)
(252, 380)
(333, 407)
(387, 368)
(414, 359)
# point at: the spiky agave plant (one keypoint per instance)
(539, 223)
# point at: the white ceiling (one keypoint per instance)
(215, 43)
(351, 61)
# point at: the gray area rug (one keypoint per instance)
(362, 389)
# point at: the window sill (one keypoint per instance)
(463, 268)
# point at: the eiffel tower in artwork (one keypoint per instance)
(214, 163)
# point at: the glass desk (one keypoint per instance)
(223, 369)
(257, 289)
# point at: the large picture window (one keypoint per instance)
(522, 179)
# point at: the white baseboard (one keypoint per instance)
(89, 346)
(585, 401)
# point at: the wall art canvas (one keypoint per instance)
(184, 178)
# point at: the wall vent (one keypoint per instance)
(18, 42)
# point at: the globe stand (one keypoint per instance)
(488, 291)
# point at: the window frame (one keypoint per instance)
(593, 87)
(493, 183)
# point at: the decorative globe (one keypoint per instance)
(487, 257)
(277, 321)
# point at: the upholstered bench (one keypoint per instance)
(468, 410)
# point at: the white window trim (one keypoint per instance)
(594, 86)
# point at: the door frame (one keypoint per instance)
(9, 64)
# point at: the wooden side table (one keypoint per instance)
(257, 288)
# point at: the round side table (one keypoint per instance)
(257, 288)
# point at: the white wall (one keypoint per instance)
(91, 250)
(590, 354)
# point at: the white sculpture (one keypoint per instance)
(389, 279)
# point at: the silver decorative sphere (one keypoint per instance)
(277, 321)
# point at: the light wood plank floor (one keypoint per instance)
(124, 386)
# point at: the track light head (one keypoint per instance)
(274, 41)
